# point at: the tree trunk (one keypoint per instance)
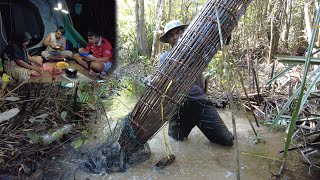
(143, 33)
(274, 31)
(141, 28)
(269, 13)
(318, 36)
(156, 32)
(300, 33)
(169, 9)
(288, 23)
(136, 12)
(307, 20)
(260, 21)
(182, 13)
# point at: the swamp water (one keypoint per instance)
(196, 157)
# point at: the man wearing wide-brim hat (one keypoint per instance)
(196, 110)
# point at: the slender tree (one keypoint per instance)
(156, 32)
(141, 35)
(288, 23)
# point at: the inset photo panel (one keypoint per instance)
(44, 41)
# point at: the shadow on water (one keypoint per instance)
(196, 157)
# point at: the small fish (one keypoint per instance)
(166, 161)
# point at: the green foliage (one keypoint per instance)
(303, 85)
(82, 140)
(216, 69)
(34, 137)
(86, 94)
(128, 47)
(127, 86)
(215, 66)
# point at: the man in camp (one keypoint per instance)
(56, 46)
(96, 56)
(196, 110)
(17, 61)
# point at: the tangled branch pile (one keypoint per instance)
(36, 120)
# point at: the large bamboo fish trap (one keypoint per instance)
(178, 73)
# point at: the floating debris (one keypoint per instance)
(166, 161)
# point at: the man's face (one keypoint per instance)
(174, 35)
(58, 34)
(93, 39)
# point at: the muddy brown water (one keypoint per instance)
(196, 157)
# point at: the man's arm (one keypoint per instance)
(163, 56)
(35, 59)
(85, 50)
(149, 78)
(46, 42)
(103, 59)
(63, 46)
(28, 66)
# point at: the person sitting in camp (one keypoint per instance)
(96, 56)
(17, 62)
(56, 46)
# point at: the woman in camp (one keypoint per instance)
(18, 63)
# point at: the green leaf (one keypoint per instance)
(77, 143)
(85, 141)
(296, 59)
(309, 90)
(33, 136)
(84, 88)
(281, 73)
(91, 106)
(292, 99)
(85, 133)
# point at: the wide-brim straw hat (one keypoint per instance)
(169, 26)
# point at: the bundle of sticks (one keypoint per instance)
(186, 61)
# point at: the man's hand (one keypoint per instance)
(81, 50)
(147, 81)
(38, 69)
(90, 58)
(53, 46)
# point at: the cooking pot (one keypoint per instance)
(71, 72)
